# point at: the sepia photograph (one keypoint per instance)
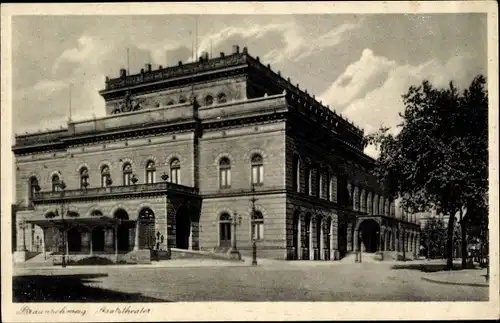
(203, 156)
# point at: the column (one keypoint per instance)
(349, 237)
(90, 240)
(66, 241)
(332, 244)
(299, 238)
(136, 240)
(313, 238)
(321, 244)
(43, 243)
(115, 227)
(108, 240)
(190, 240)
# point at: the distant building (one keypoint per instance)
(173, 164)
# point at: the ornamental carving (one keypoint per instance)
(129, 103)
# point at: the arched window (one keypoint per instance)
(209, 100)
(33, 187)
(84, 177)
(127, 174)
(55, 183)
(321, 188)
(150, 172)
(225, 230)
(308, 180)
(105, 176)
(116, 111)
(171, 102)
(175, 171)
(257, 170)
(257, 226)
(225, 172)
(221, 98)
(182, 99)
(296, 174)
(332, 192)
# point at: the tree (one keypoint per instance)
(439, 158)
(433, 237)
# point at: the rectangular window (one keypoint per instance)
(175, 176)
(257, 174)
(225, 178)
(257, 231)
(150, 177)
(126, 179)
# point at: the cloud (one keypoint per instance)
(299, 46)
(360, 77)
(370, 89)
(48, 87)
(89, 51)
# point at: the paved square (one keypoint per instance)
(274, 281)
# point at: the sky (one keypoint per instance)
(358, 64)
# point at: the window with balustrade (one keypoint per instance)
(105, 176)
(33, 186)
(84, 177)
(150, 172)
(127, 174)
(175, 171)
(55, 183)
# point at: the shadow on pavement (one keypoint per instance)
(68, 288)
(429, 268)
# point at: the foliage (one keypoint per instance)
(433, 237)
(439, 158)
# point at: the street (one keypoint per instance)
(280, 281)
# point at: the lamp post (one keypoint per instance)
(404, 247)
(234, 253)
(62, 186)
(360, 237)
(254, 242)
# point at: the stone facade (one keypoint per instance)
(225, 131)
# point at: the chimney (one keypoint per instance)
(204, 55)
(160, 67)
(257, 58)
(279, 73)
(180, 63)
(236, 49)
(221, 54)
(123, 72)
(245, 50)
(147, 67)
(142, 71)
(288, 80)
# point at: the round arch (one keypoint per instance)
(147, 234)
(369, 234)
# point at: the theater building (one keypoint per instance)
(180, 155)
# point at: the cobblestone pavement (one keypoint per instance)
(269, 281)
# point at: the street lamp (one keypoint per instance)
(234, 253)
(360, 241)
(254, 242)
